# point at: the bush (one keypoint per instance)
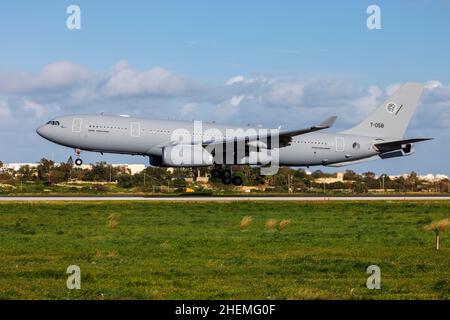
(100, 187)
(125, 181)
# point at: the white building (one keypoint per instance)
(433, 177)
(17, 166)
(134, 168)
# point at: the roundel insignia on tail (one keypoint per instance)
(391, 107)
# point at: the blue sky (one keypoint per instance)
(299, 61)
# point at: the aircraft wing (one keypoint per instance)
(285, 137)
(397, 144)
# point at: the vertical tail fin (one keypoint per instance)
(391, 119)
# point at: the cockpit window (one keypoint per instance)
(53, 123)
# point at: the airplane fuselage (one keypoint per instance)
(146, 137)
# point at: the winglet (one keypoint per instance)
(327, 123)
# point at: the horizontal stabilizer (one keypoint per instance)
(397, 144)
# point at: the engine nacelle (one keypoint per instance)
(156, 161)
(186, 156)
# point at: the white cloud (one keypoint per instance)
(188, 109)
(54, 76)
(432, 84)
(392, 88)
(37, 109)
(363, 105)
(157, 92)
(259, 79)
(4, 110)
(286, 94)
(236, 100)
(125, 81)
(236, 79)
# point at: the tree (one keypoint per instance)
(44, 170)
(26, 173)
(370, 181)
(359, 187)
(412, 181)
(125, 181)
(317, 174)
(351, 175)
(301, 174)
(437, 227)
(300, 180)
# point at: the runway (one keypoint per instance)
(227, 199)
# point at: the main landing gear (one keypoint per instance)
(226, 176)
(78, 161)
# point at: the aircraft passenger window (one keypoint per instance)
(356, 145)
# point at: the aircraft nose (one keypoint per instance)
(41, 131)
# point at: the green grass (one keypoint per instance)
(197, 250)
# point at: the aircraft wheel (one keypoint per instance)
(226, 173)
(215, 173)
(226, 180)
(237, 181)
(78, 162)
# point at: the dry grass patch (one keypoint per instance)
(112, 221)
(110, 254)
(311, 294)
(441, 225)
(284, 224)
(271, 224)
(246, 222)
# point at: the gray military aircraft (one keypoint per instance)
(196, 144)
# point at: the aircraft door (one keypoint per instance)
(76, 124)
(135, 129)
(340, 144)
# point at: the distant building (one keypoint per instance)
(433, 177)
(338, 178)
(203, 180)
(134, 168)
(427, 177)
(17, 166)
(404, 175)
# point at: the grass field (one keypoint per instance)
(141, 250)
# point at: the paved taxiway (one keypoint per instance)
(218, 199)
